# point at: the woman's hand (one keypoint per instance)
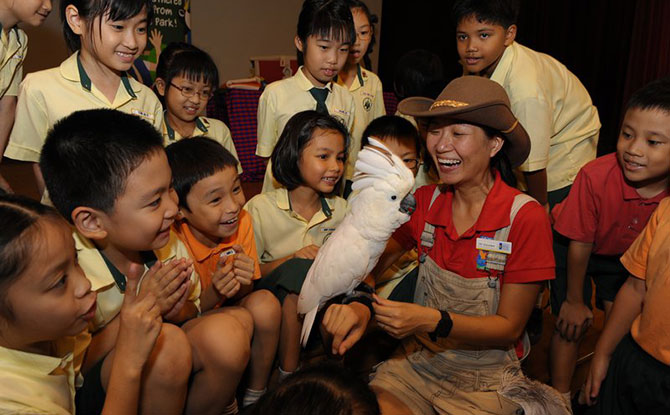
(403, 319)
(347, 324)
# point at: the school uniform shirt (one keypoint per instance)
(647, 259)
(369, 104)
(205, 259)
(13, 49)
(47, 96)
(32, 383)
(531, 259)
(283, 99)
(103, 276)
(279, 231)
(603, 209)
(209, 127)
(554, 108)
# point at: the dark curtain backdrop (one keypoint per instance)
(612, 46)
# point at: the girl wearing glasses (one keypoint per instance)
(364, 85)
(186, 78)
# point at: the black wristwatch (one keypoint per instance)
(443, 327)
(361, 294)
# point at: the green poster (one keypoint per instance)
(171, 22)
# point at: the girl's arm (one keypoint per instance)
(627, 306)
(307, 252)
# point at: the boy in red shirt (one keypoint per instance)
(608, 206)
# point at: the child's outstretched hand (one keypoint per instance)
(169, 283)
(140, 323)
(223, 279)
(243, 266)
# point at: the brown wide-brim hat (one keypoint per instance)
(476, 100)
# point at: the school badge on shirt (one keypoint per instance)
(142, 114)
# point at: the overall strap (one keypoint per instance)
(428, 234)
(520, 201)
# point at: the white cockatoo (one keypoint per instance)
(381, 202)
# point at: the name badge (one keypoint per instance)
(492, 245)
(142, 114)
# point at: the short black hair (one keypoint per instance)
(500, 12)
(329, 19)
(19, 221)
(653, 96)
(90, 9)
(419, 73)
(325, 389)
(373, 19)
(194, 159)
(183, 59)
(394, 128)
(293, 140)
(88, 156)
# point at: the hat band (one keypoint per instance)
(447, 103)
(509, 130)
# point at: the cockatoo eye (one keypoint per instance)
(394, 197)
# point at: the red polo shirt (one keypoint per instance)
(532, 258)
(603, 209)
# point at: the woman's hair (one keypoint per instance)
(330, 19)
(319, 390)
(500, 162)
(90, 9)
(373, 19)
(188, 61)
(19, 221)
(293, 140)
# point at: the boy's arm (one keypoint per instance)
(7, 111)
(536, 181)
(627, 306)
(574, 316)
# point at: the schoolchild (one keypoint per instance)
(291, 222)
(324, 35)
(549, 101)
(105, 36)
(607, 208)
(220, 240)
(362, 83)
(13, 50)
(186, 78)
(47, 303)
(109, 176)
(630, 370)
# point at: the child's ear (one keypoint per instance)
(160, 86)
(298, 44)
(88, 222)
(74, 20)
(510, 35)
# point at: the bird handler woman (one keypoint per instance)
(485, 249)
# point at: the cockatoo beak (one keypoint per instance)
(408, 204)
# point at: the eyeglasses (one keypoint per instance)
(411, 163)
(365, 34)
(188, 92)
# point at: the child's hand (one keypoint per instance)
(169, 283)
(573, 320)
(597, 373)
(243, 266)
(140, 324)
(223, 279)
(308, 252)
